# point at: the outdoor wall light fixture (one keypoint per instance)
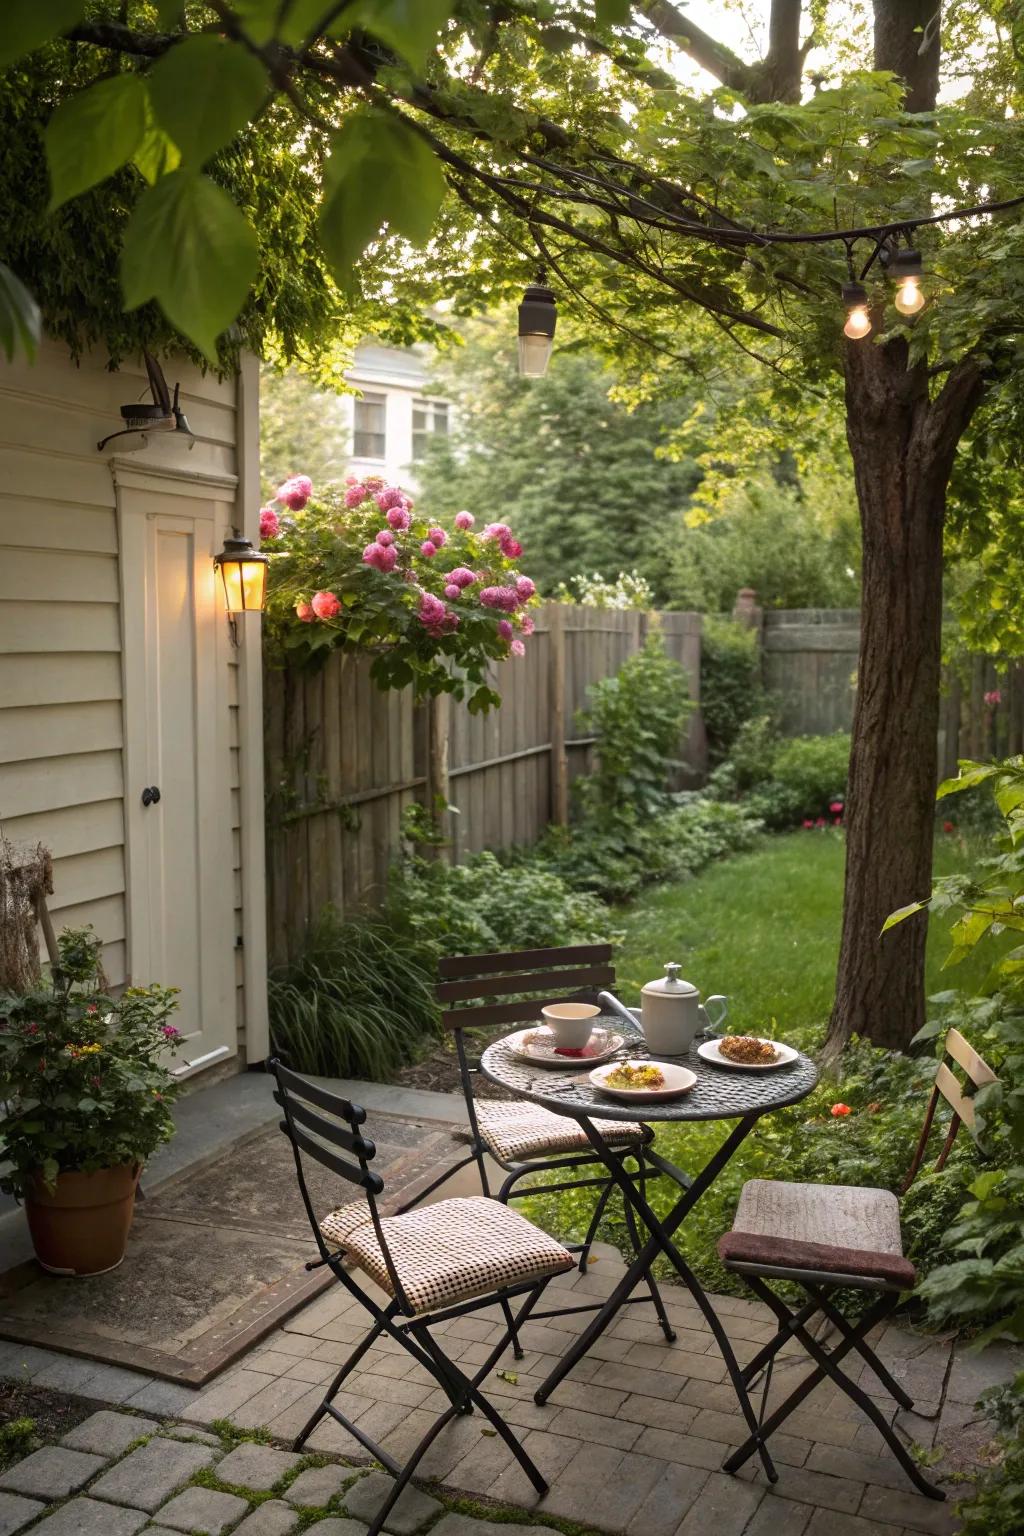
(537, 316)
(162, 414)
(243, 574)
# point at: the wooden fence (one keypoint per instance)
(345, 761)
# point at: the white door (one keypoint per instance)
(180, 892)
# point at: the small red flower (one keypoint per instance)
(836, 807)
(820, 821)
(808, 822)
(947, 826)
(840, 1109)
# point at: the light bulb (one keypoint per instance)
(909, 298)
(858, 322)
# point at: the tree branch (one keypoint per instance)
(710, 54)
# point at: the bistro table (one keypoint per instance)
(720, 1093)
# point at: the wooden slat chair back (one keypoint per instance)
(471, 986)
(961, 1053)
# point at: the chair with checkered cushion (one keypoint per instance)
(433, 1264)
(480, 991)
(823, 1238)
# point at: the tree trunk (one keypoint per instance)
(903, 448)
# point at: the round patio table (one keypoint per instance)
(720, 1093)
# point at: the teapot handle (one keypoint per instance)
(714, 1026)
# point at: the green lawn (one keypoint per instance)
(763, 927)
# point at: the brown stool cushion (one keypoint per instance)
(838, 1229)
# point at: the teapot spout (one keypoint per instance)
(609, 1000)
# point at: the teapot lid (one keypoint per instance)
(672, 983)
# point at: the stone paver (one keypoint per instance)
(109, 1434)
(410, 1513)
(162, 1397)
(52, 1473)
(469, 1525)
(905, 1508)
(202, 1509)
(16, 1512)
(725, 1506)
(273, 1518)
(317, 1485)
(256, 1466)
(89, 1517)
(148, 1476)
(333, 1526)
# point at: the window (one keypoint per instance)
(428, 417)
(369, 436)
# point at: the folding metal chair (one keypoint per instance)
(444, 1261)
(828, 1237)
(526, 1138)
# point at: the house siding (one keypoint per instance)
(61, 696)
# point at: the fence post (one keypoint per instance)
(556, 693)
(437, 786)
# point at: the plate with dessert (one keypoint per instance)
(747, 1053)
(649, 1081)
(541, 1047)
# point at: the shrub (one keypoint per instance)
(808, 774)
(731, 691)
(749, 764)
(358, 1000)
(637, 717)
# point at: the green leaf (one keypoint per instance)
(258, 17)
(157, 154)
(558, 39)
(379, 172)
(901, 913)
(410, 27)
(92, 134)
(20, 322)
(612, 13)
(188, 247)
(204, 91)
(27, 24)
(969, 775)
(169, 13)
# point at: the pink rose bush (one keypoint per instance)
(359, 569)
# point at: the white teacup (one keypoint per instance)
(572, 1024)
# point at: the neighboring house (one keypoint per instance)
(392, 419)
(118, 673)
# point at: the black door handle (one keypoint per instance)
(151, 795)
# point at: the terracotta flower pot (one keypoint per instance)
(80, 1227)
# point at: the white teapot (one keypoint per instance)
(673, 1014)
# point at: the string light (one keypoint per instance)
(905, 267)
(858, 321)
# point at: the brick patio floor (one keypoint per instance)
(631, 1443)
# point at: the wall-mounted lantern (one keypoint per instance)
(243, 574)
(537, 316)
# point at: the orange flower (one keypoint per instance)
(840, 1109)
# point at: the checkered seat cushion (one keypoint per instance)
(449, 1252)
(845, 1230)
(516, 1131)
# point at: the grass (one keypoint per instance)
(763, 928)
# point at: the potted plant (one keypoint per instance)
(87, 1100)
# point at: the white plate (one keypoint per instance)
(709, 1052)
(538, 1045)
(678, 1080)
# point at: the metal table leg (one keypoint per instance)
(660, 1241)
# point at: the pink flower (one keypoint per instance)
(428, 550)
(373, 482)
(304, 611)
(385, 537)
(820, 822)
(504, 598)
(170, 1031)
(464, 520)
(451, 591)
(525, 587)
(437, 537)
(389, 497)
(993, 697)
(808, 822)
(325, 605)
(836, 807)
(398, 517)
(505, 629)
(526, 624)
(355, 495)
(517, 648)
(511, 548)
(270, 523)
(462, 576)
(432, 612)
(295, 492)
(497, 531)
(383, 557)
